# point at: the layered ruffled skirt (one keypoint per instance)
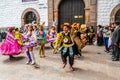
(8, 48)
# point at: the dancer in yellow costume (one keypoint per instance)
(66, 45)
(18, 36)
(57, 43)
(83, 35)
(75, 31)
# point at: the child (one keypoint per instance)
(29, 44)
(41, 39)
(67, 46)
(52, 35)
(18, 36)
(10, 46)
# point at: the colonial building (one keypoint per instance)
(90, 12)
(20, 12)
(83, 11)
(108, 11)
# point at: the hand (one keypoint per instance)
(115, 44)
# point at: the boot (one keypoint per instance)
(29, 57)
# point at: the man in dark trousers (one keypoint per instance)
(116, 42)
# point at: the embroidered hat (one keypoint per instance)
(74, 25)
(10, 29)
(66, 24)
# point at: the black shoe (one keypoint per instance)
(11, 57)
(115, 59)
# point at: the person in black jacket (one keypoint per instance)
(116, 42)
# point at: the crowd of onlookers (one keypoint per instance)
(109, 36)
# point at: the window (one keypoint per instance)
(28, 0)
(30, 17)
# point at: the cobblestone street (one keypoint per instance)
(95, 64)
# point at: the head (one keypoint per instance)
(52, 29)
(74, 26)
(10, 29)
(35, 26)
(16, 29)
(116, 23)
(30, 28)
(78, 25)
(99, 26)
(40, 27)
(109, 27)
(91, 27)
(66, 27)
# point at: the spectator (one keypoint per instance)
(106, 35)
(99, 35)
(91, 34)
(116, 42)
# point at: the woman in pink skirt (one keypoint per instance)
(10, 45)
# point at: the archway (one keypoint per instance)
(71, 11)
(30, 15)
(115, 14)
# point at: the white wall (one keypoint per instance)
(104, 10)
(11, 11)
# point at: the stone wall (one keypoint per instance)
(12, 10)
(104, 11)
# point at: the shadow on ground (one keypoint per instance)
(15, 59)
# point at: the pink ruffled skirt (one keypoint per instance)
(8, 48)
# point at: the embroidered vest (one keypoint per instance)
(67, 38)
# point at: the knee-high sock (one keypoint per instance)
(29, 56)
(32, 56)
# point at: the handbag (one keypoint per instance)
(95, 43)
